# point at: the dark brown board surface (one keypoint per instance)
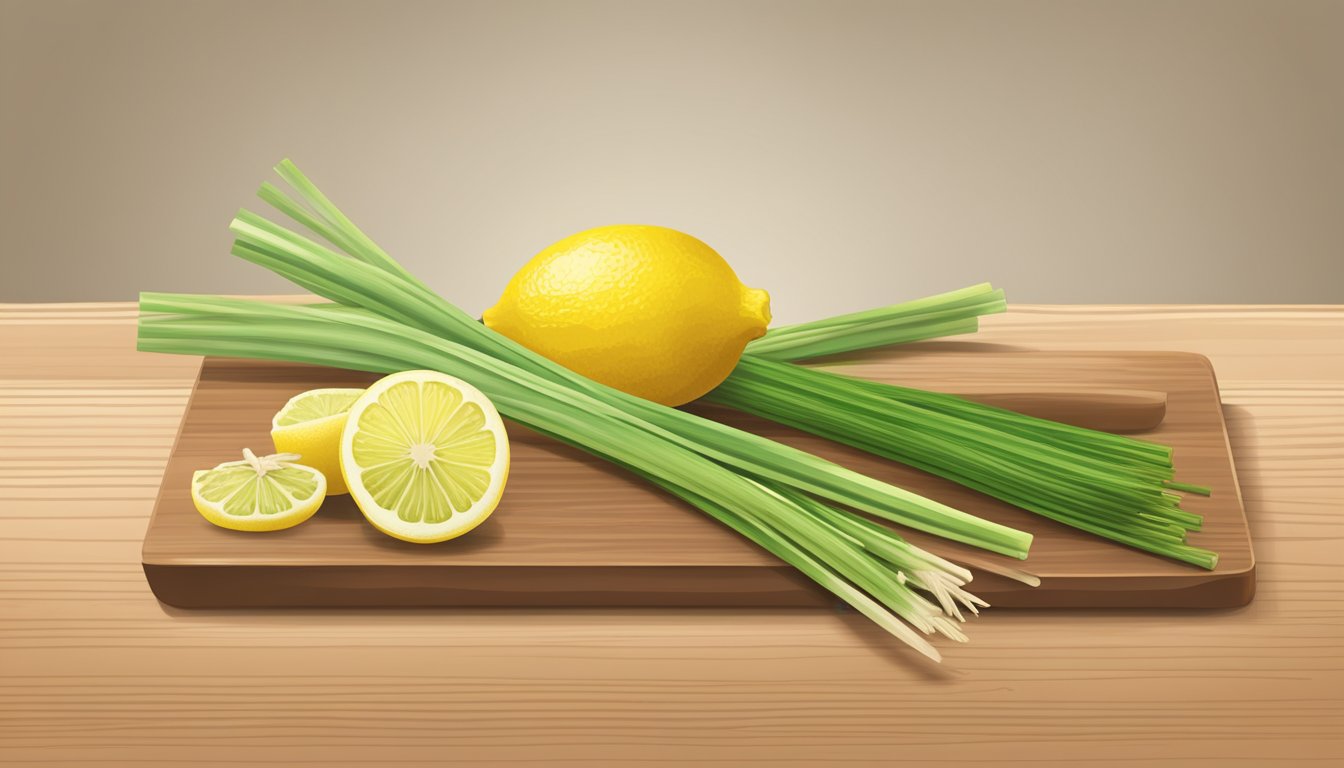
(573, 531)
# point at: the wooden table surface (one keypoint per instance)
(93, 669)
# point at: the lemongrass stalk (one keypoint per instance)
(1200, 490)
(866, 338)
(962, 297)
(1110, 447)
(945, 314)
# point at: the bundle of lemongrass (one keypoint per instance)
(383, 319)
(789, 502)
(1109, 485)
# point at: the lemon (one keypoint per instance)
(425, 456)
(310, 425)
(647, 310)
(259, 493)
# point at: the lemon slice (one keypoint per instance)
(310, 425)
(425, 456)
(259, 493)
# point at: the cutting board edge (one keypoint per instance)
(217, 586)
(1232, 467)
(147, 545)
(1248, 571)
(408, 586)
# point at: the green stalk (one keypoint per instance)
(945, 314)
(1104, 445)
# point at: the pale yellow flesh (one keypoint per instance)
(425, 456)
(316, 404)
(310, 425)
(236, 495)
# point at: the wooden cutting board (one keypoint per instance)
(572, 530)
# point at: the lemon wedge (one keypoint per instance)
(259, 493)
(310, 425)
(425, 456)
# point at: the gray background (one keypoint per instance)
(840, 155)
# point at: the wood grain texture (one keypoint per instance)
(94, 670)
(573, 531)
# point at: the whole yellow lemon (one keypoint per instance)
(647, 310)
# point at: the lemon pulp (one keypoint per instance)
(259, 493)
(310, 425)
(425, 456)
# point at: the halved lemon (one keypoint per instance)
(425, 456)
(259, 493)
(310, 425)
